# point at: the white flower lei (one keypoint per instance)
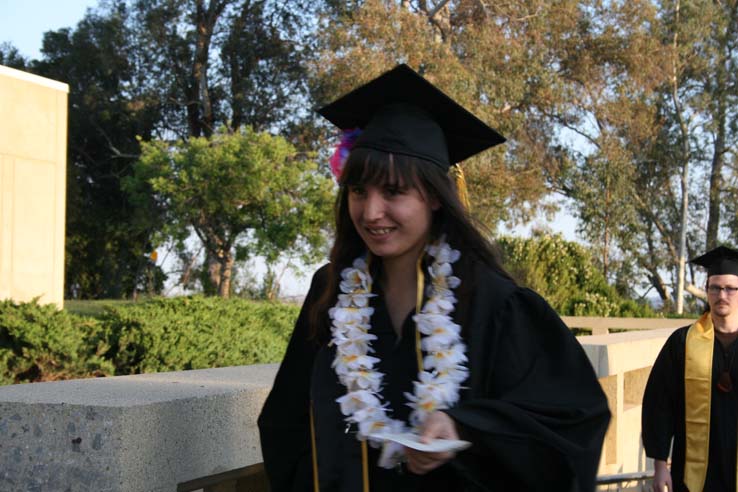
(443, 371)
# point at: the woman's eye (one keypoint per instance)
(394, 191)
(357, 190)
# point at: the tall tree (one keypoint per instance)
(711, 73)
(108, 239)
(179, 35)
(224, 62)
(684, 154)
(161, 69)
(605, 109)
(696, 104)
(11, 57)
(234, 185)
(494, 58)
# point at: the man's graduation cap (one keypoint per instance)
(402, 113)
(719, 261)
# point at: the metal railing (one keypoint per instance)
(248, 479)
(625, 481)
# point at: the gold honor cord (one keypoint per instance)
(365, 466)
(418, 307)
(364, 448)
(697, 394)
(316, 482)
(419, 353)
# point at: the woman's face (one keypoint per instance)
(393, 219)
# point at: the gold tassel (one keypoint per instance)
(364, 466)
(418, 307)
(461, 189)
(314, 448)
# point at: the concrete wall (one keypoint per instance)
(33, 145)
(622, 362)
(146, 433)
(601, 325)
(183, 430)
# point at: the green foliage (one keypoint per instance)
(108, 238)
(92, 308)
(11, 57)
(602, 102)
(232, 184)
(458, 49)
(196, 332)
(41, 343)
(564, 273)
(160, 67)
(230, 62)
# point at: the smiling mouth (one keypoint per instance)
(379, 232)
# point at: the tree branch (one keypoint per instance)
(435, 9)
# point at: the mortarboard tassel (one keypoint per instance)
(461, 189)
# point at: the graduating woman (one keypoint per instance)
(414, 327)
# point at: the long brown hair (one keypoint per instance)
(373, 167)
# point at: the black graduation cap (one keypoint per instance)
(402, 113)
(719, 261)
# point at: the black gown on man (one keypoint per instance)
(663, 414)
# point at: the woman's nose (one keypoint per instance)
(373, 206)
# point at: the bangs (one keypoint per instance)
(373, 167)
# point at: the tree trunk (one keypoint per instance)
(682, 259)
(239, 73)
(696, 291)
(716, 179)
(226, 270)
(683, 237)
(200, 107)
(211, 277)
(440, 17)
(606, 239)
(716, 185)
(660, 286)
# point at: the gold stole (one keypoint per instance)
(697, 395)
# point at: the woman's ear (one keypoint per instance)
(435, 203)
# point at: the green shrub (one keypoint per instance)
(564, 273)
(41, 343)
(196, 332)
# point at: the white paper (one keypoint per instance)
(410, 440)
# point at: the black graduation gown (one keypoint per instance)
(532, 406)
(663, 415)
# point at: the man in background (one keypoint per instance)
(692, 391)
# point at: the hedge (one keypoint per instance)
(40, 343)
(195, 333)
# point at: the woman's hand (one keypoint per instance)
(661, 477)
(438, 425)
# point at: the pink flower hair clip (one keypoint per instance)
(338, 160)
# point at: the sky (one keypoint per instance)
(23, 23)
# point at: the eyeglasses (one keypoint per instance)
(716, 290)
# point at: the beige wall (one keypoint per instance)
(622, 362)
(33, 141)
